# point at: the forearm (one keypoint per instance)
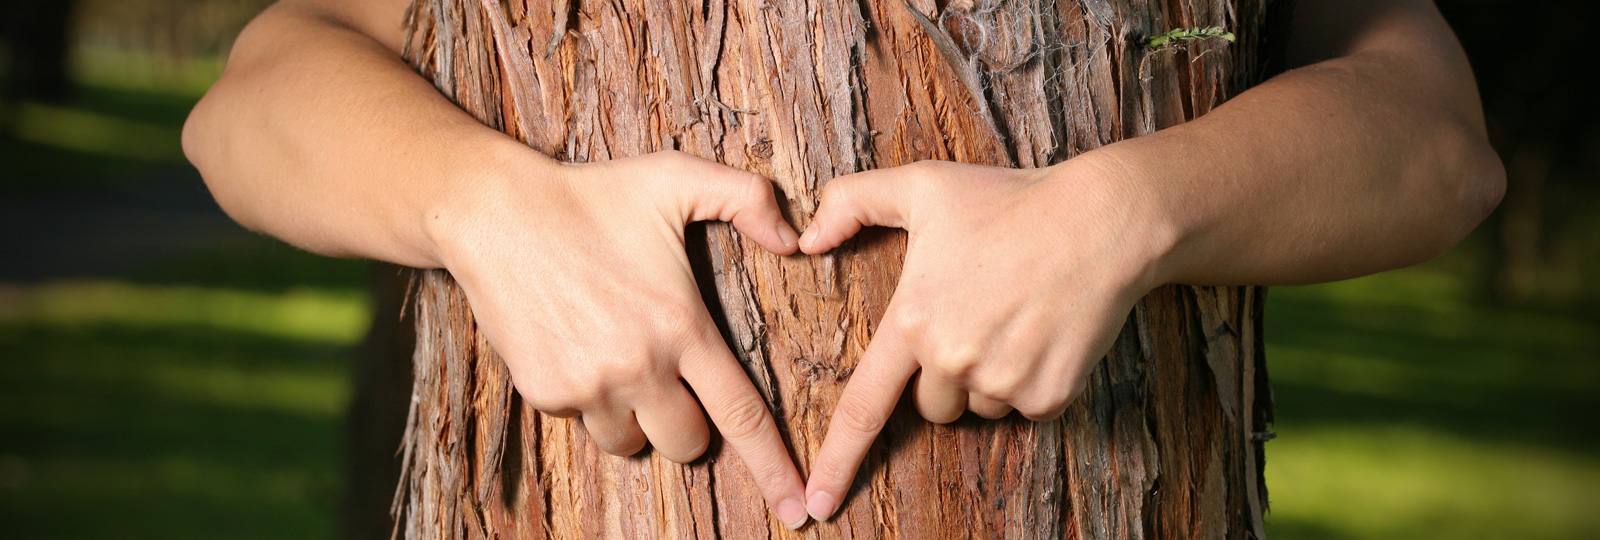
(320, 135)
(1372, 160)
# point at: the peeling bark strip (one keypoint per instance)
(1160, 445)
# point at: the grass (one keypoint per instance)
(173, 412)
(1408, 411)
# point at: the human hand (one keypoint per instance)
(579, 280)
(1015, 284)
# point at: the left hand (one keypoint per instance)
(1015, 284)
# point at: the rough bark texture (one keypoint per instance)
(1165, 442)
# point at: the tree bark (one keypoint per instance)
(1164, 443)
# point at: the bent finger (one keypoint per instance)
(673, 422)
(939, 399)
(987, 407)
(1057, 387)
(850, 202)
(614, 431)
(748, 200)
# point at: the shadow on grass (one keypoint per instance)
(257, 263)
(1482, 374)
(167, 433)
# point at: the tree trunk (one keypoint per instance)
(1164, 443)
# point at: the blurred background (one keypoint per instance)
(166, 374)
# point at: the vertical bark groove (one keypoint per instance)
(1165, 442)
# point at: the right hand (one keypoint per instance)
(580, 280)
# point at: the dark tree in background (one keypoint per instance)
(1534, 68)
(34, 40)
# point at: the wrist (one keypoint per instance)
(497, 175)
(1129, 184)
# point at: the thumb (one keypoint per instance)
(853, 201)
(716, 192)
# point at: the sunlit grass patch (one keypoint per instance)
(322, 315)
(1410, 481)
(96, 133)
(133, 69)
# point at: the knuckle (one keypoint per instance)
(1001, 386)
(614, 441)
(957, 360)
(547, 402)
(1041, 414)
(836, 191)
(920, 167)
(989, 408)
(912, 321)
(552, 398)
(570, 398)
(938, 370)
(628, 369)
(679, 323)
(936, 412)
(691, 451)
(745, 418)
(583, 393)
(921, 173)
(766, 472)
(834, 474)
(624, 446)
(1048, 408)
(860, 417)
(758, 190)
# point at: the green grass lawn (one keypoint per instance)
(172, 412)
(133, 409)
(1406, 412)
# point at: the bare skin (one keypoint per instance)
(1372, 157)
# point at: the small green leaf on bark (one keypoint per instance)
(1171, 37)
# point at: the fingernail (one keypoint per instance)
(787, 235)
(792, 513)
(810, 237)
(821, 505)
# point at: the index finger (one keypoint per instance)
(741, 415)
(865, 406)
